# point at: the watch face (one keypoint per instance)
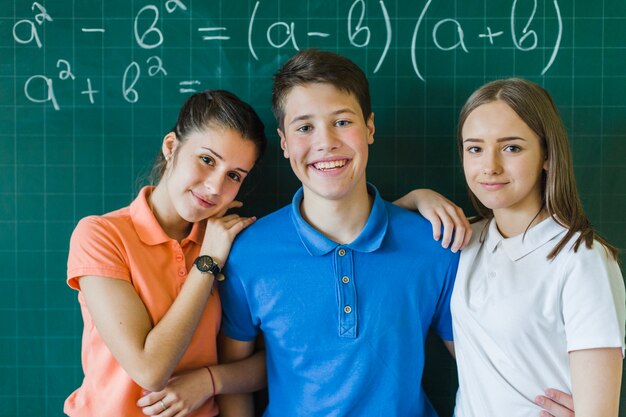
(206, 264)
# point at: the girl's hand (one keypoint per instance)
(183, 394)
(439, 211)
(221, 231)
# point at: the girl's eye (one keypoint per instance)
(304, 129)
(235, 177)
(473, 149)
(342, 123)
(512, 148)
(207, 160)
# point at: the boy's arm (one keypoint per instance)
(247, 371)
(449, 344)
(439, 211)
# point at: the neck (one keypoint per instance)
(512, 223)
(166, 215)
(340, 220)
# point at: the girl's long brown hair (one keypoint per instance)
(535, 107)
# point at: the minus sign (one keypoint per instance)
(88, 30)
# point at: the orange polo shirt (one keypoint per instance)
(129, 244)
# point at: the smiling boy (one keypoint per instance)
(343, 285)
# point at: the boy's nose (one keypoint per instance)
(327, 139)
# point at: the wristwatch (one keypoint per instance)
(205, 264)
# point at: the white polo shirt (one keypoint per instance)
(516, 316)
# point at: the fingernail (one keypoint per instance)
(539, 400)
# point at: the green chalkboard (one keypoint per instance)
(89, 88)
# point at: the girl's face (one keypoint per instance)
(503, 160)
(204, 172)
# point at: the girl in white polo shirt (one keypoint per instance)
(539, 296)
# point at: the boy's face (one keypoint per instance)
(326, 140)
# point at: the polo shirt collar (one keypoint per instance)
(369, 240)
(148, 228)
(521, 245)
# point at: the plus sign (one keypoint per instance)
(89, 91)
(489, 35)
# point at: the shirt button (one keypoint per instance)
(347, 309)
(179, 258)
(182, 272)
(345, 280)
(342, 252)
(492, 274)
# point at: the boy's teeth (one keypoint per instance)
(329, 164)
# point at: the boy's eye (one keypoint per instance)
(342, 123)
(304, 129)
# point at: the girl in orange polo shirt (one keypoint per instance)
(145, 273)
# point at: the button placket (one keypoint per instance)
(347, 293)
(179, 257)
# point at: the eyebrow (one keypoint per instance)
(309, 116)
(499, 140)
(221, 158)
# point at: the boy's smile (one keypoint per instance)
(326, 140)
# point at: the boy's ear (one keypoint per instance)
(283, 143)
(170, 142)
(370, 128)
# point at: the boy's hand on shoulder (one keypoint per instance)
(555, 404)
(440, 212)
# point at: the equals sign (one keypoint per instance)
(91, 30)
(184, 86)
(213, 37)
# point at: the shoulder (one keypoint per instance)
(585, 259)
(273, 223)
(479, 231)
(105, 224)
(412, 230)
(399, 216)
(263, 236)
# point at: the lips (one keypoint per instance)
(206, 203)
(493, 186)
(329, 165)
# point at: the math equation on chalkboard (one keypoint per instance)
(132, 39)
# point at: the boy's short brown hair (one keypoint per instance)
(315, 66)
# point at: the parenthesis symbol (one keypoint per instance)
(558, 38)
(388, 26)
(256, 6)
(414, 40)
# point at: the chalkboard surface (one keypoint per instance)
(89, 88)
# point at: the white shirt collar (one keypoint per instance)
(517, 247)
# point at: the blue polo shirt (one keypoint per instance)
(344, 325)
